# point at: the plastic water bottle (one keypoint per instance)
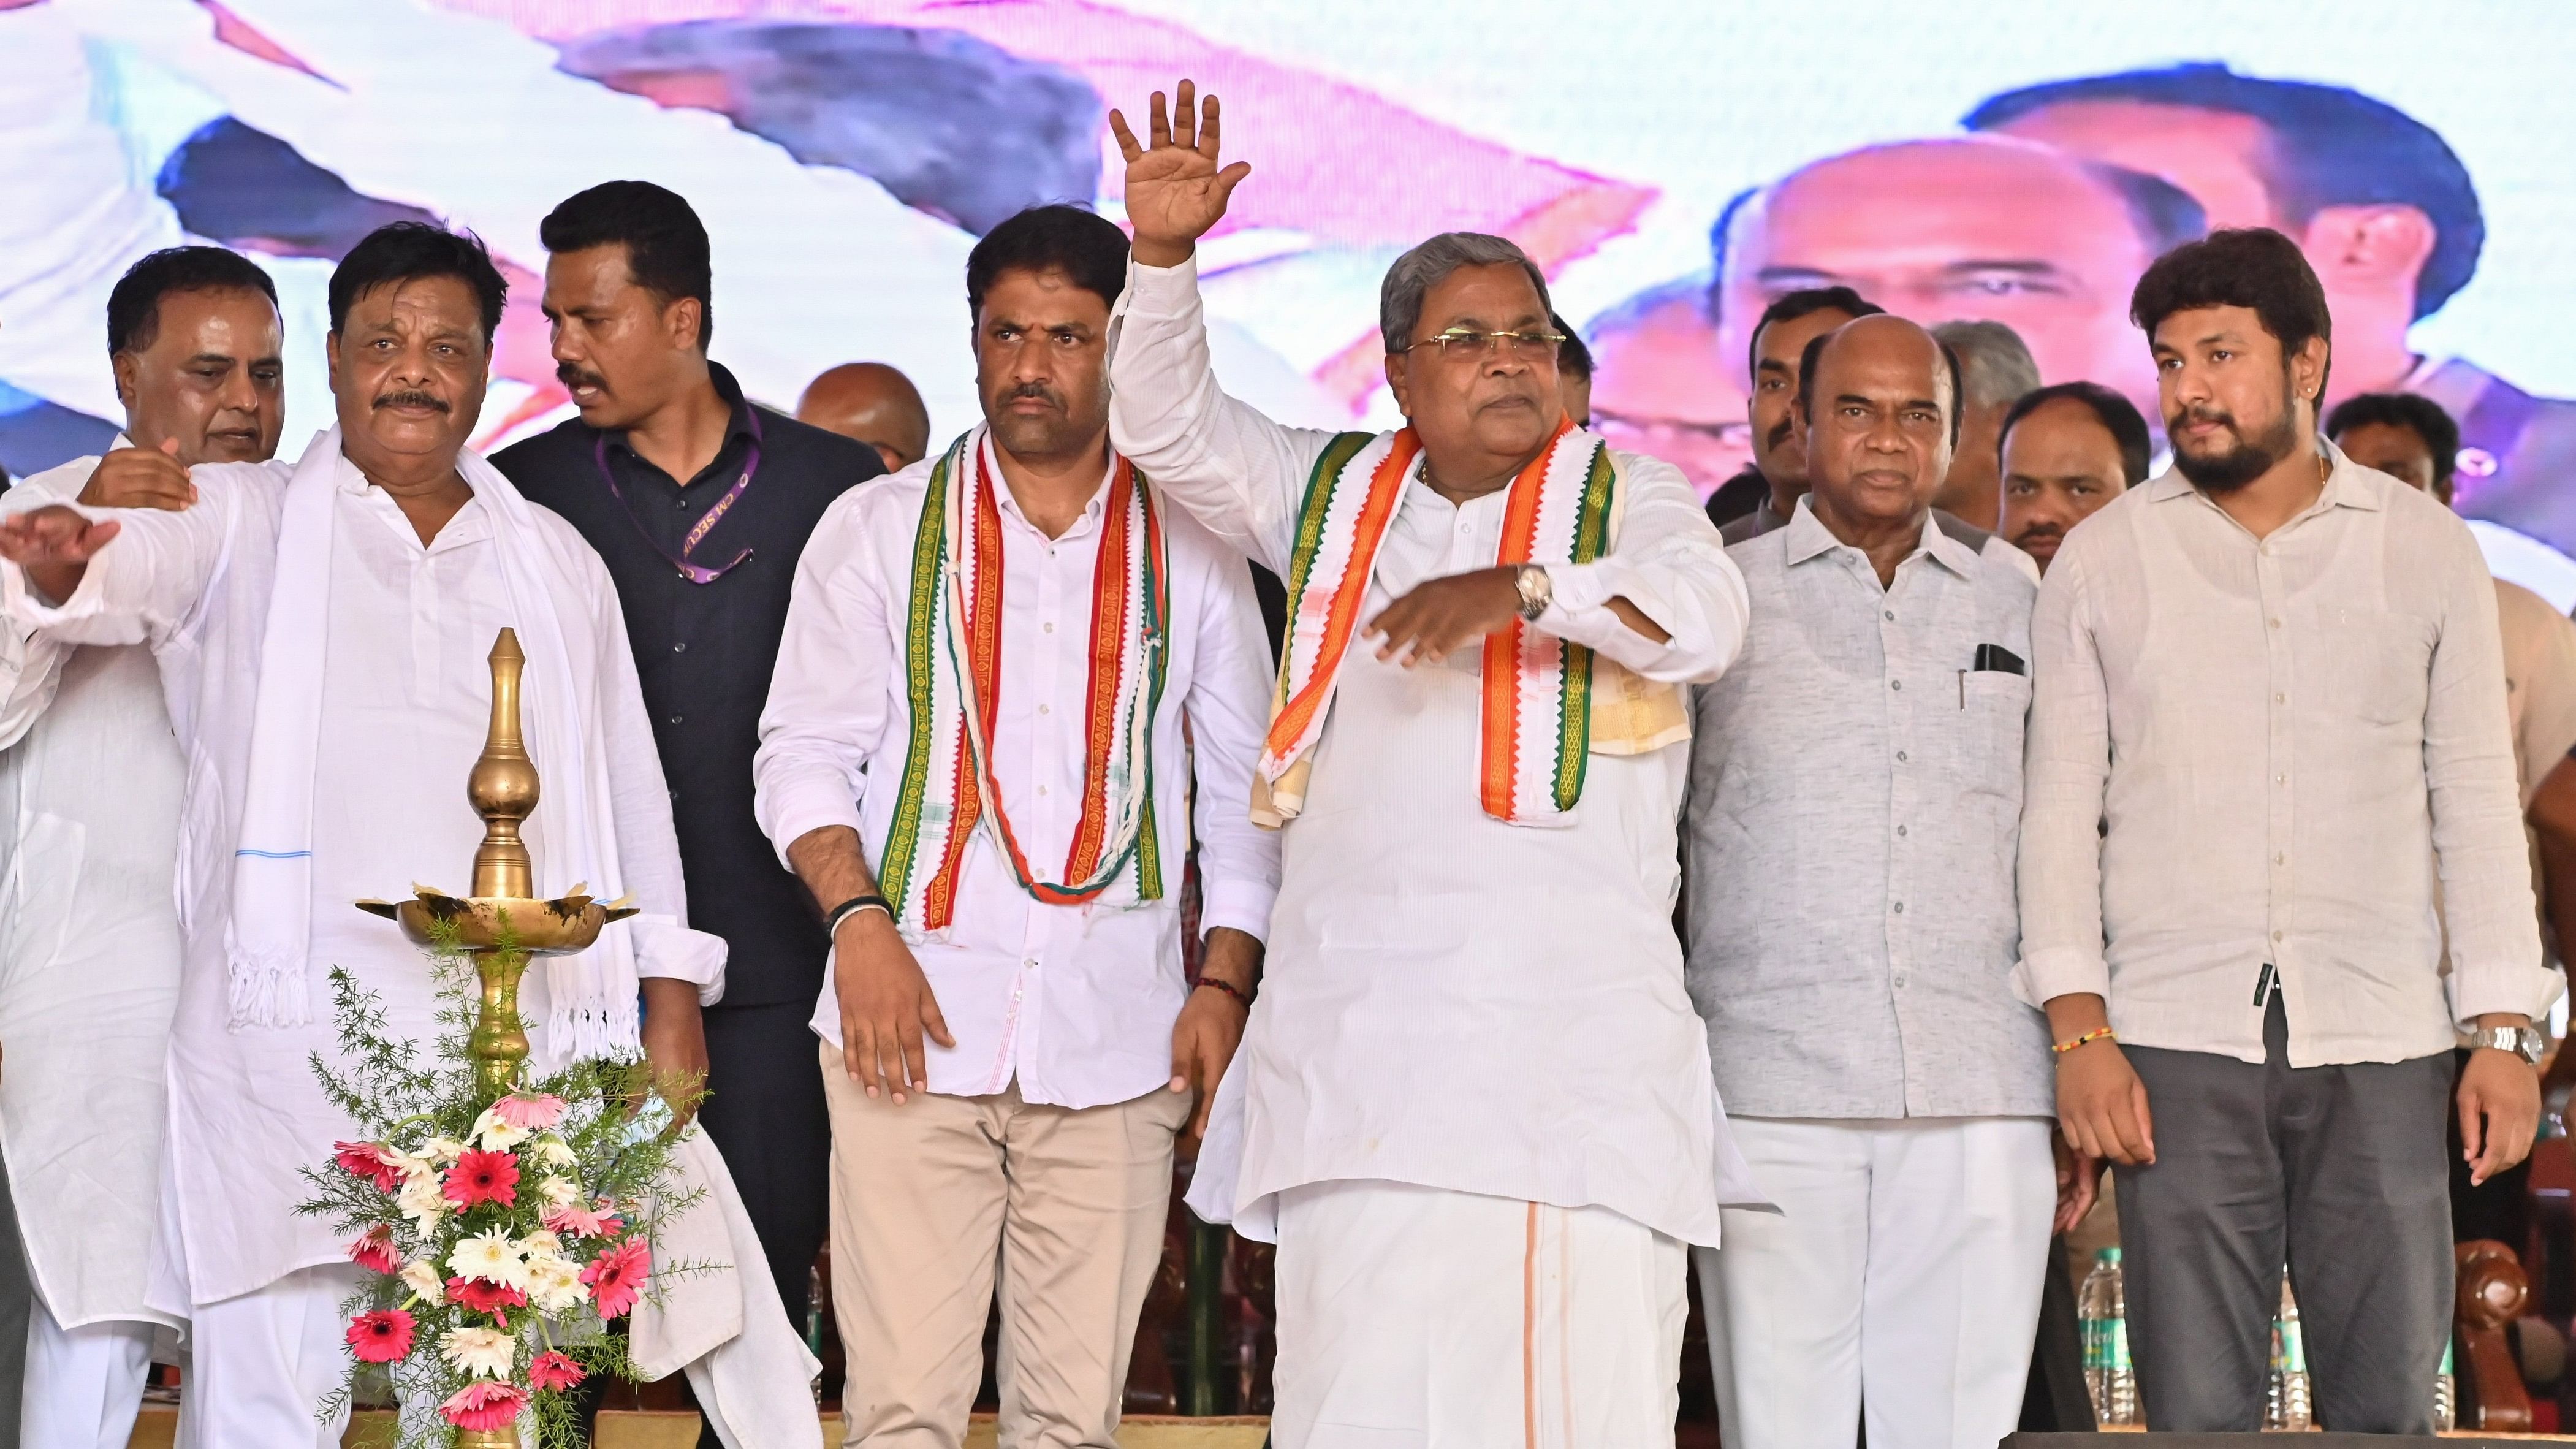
(2288, 1405)
(2446, 1403)
(2103, 1310)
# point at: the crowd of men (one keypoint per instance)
(2024, 812)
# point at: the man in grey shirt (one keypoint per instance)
(1855, 797)
(2270, 716)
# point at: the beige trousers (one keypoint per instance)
(932, 1198)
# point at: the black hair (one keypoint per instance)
(666, 244)
(1816, 349)
(408, 251)
(2118, 415)
(2425, 417)
(1058, 237)
(134, 305)
(1572, 357)
(1790, 306)
(2329, 147)
(2252, 266)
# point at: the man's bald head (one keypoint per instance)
(1880, 398)
(874, 404)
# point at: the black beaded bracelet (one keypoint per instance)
(851, 907)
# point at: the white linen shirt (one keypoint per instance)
(1075, 1002)
(1450, 1000)
(405, 705)
(2249, 752)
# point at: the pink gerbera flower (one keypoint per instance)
(375, 1252)
(370, 1160)
(616, 1276)
(483, 1296)
(554, 1373)
(481, 1177)
(383, 1336)
(575, 1221)
(485, 1405)
(529, 1114)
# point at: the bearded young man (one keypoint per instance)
(2270, 716)
(1473, 1107)
(322, 632)
(1008, 671)
(90, 785)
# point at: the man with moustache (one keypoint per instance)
(2067, 450)
(1007, 673)
(322, 633)
(1968, 228)
(1854, 777)
(699, 502)
(90, 783)
(2270, 715)
(1475, 761)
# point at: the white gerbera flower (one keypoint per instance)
(421, 1276)
(496, 1135)
(552, 1151)
(484, 1352)
(540, 1244)
(555, 1285)
(492, 1257)
(421, 1201)
(559, 1192)
(444, 1149)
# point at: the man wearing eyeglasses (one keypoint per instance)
(1472, 1105)
(700, 502)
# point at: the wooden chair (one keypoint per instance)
(2492, 1293)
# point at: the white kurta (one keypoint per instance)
(406, 699)
(1452, 1001)
(89, 953)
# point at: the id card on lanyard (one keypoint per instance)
(693, 572)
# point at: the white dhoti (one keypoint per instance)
(1416, 1317)
(1903, 1269)
(84, 1385)
(264, 1361)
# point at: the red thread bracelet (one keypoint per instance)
(1229, 988)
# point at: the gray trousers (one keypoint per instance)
(2342, 1172)
(17, 1300)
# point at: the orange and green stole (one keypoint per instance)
(952, 670)
(1537, 688)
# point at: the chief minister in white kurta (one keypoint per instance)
(1472, 1106)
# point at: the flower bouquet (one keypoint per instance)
(503, 1231)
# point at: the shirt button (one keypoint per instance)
(1050, 626)
(675, 719)
(1891, 616)
(2280, 857)
(1042, 709)
(680, 648)
(1900, 830)
(1900, 757)
(1900, 908)
(2276, 623)
(2280, 699)
(2280, 779)
(1042, 789)
(2276, 935)
(1896, 684)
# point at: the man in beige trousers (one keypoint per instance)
(1007, 672)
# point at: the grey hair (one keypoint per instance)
(1993, 363)
(1399, 298)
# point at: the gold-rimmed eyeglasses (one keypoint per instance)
(1460, 343)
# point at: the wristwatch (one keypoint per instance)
(1536, 592)
(2523, 1041)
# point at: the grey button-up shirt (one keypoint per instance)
(1855, 804)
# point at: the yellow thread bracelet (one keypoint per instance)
(2099, 1033)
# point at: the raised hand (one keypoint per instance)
(1175, 189)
